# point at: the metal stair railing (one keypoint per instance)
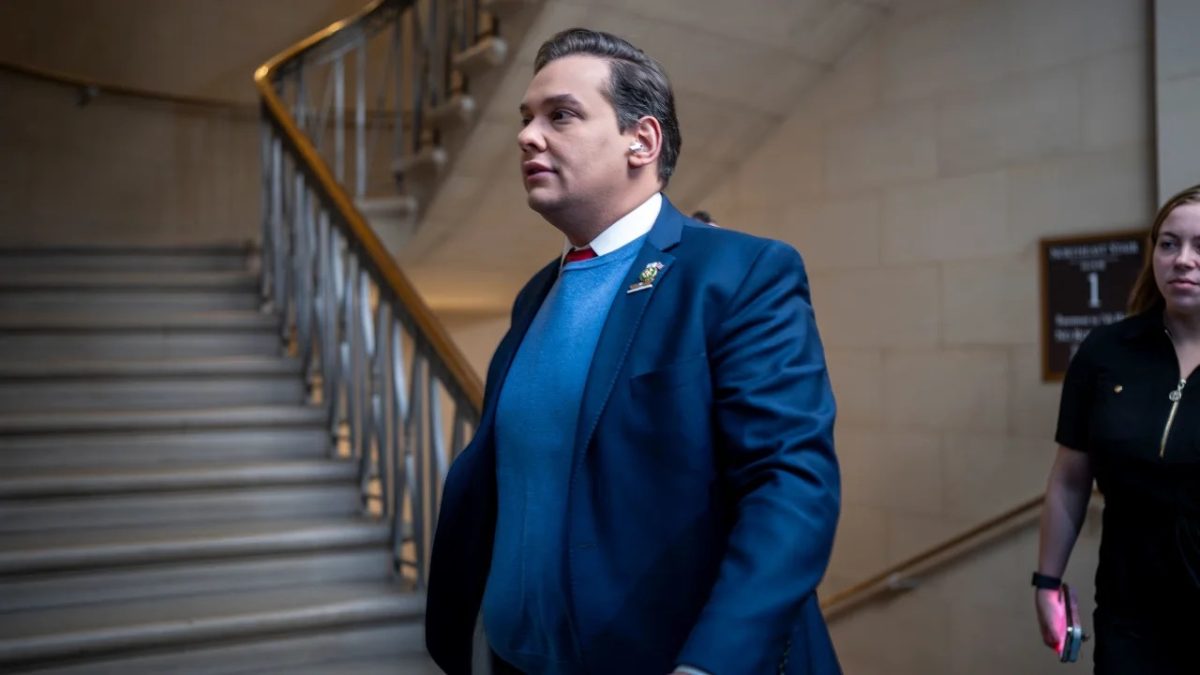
(401, 399)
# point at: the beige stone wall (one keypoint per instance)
(1177, 95)
(129, 171)
(916, 181)
(477, 334)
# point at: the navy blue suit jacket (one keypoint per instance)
(704, 491)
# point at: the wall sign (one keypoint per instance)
(1086, 283)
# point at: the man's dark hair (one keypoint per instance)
(703, 216)
(637, 87)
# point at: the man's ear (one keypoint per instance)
(645, 142)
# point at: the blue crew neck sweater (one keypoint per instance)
(525, 606)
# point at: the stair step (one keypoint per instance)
(398, 207)
(199, 506)
(115, 322)
(145, 368)
(334, 559)
(152, 383)
(400, 644)
(161, 420)
(73, 632)
(41, 280)
(34, 336)
(455, 112)
(60, 482)
(142, 300)
(488, 53)
(429, 160)
(194, 578)
(66, 258)
(92, 549)
(161, 448)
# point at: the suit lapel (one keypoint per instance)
(624, 318)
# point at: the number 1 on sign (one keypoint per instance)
(1094, 288)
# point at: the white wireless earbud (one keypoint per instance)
(636, 146)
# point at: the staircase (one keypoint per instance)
(169, 499)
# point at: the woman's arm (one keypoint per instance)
(1067, 494)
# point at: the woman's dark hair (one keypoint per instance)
(638, 85)
(1145, 295)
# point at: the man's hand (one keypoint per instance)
(1052, 616)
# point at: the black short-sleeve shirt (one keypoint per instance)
(1125, 403)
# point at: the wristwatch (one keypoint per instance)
(1046, 583)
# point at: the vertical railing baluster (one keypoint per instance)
(458, 435)
(438, 464)
(264, 278)
(381, 388)
(320, 292)
(346, 348)
(285, 247)
(366, 341)
(339, 118)
(311, 332)
(432, 60)
(417, 456)
(400, 468)
(476, 21)
(360, 123)
(421, 93)
(398, 49)
(300, 111)
(301, 272)
(287, 243)
(333, 351)
(384, 419)
(445, 51)
(365, 379)
(278, 246)
(334, 271)
(299, 263)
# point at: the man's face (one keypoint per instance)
(572, 153)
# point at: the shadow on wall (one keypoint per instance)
(123, 170)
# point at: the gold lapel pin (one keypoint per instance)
(1118, 389)
(646, 278)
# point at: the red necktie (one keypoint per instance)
(577, 254)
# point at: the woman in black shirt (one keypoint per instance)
(1130, 419)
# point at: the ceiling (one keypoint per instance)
(738, 69)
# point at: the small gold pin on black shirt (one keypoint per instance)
(1118, 389)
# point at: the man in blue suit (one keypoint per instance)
(652, 486)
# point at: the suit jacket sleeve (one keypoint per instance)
(774, 413)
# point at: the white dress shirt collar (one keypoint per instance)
(631, 226)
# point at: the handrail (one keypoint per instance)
(94, 87)
(375, 355)
(950, 549)
(879, 582)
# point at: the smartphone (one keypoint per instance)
(1074, 637)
